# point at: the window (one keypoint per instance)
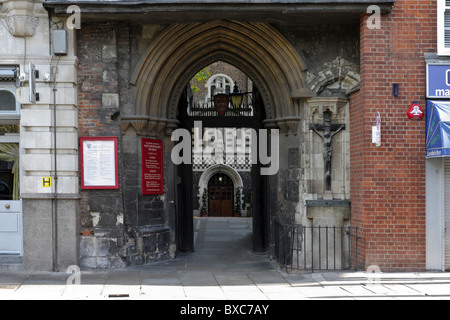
(219, 84)
(443, 20)
(9, 162)
(9, 133)
(9, 106)
(7, 101)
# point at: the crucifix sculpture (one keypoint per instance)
(329, 131)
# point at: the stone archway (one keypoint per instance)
(160, 79)
(219, 168)
(181, 50)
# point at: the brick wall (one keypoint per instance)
(98, 79)
(388, 182)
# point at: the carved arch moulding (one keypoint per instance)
(257, 49)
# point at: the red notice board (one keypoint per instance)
(99, 167)
(152, 166)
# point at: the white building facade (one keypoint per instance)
(39, 224)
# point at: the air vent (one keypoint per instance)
(8, 73)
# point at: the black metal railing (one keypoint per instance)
(208, 110)
(312, 248)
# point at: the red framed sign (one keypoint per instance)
(99, 166)
(152, 166)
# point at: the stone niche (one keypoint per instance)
(313, 159)
(330, 220)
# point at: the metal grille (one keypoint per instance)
(209, 110)
(298, 247)
(447, 27)
(8, 73)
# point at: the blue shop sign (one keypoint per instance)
(438, 81)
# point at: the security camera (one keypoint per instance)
(47, 77)
(22, 77)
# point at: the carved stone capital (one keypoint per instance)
(288, 125)
(147, 126)
(171, 126)
(137, 123)
(139, 126)
(22, 17)
(22, 26)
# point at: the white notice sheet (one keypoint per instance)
(99, 163)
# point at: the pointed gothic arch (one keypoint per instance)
(160, 78)
(258, 49)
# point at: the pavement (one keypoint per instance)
(223, 267)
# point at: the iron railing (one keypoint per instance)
(208, 110)
(313, 248)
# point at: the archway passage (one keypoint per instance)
(220, 196)
(161, 77)
(222, 164)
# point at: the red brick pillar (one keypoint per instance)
(388, 182)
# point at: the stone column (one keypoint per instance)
(290, 175)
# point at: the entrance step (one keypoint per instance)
(11, 262)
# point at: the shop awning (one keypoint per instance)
(438, 129)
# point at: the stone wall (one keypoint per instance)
(103, 238)
(49, 136)
(331, 53)
(118, 226)
(123, 226)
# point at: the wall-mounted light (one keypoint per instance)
(395, 89)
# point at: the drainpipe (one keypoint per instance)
(55, 159)
(55, 180)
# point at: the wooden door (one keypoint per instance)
(220, 192)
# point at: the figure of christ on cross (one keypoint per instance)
(329, 131)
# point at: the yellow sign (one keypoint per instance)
(47, 182)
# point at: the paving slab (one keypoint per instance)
(223, 267)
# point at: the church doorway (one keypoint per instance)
(220, 196)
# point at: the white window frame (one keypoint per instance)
(441, 8)
(10, 114)
(214, 77)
